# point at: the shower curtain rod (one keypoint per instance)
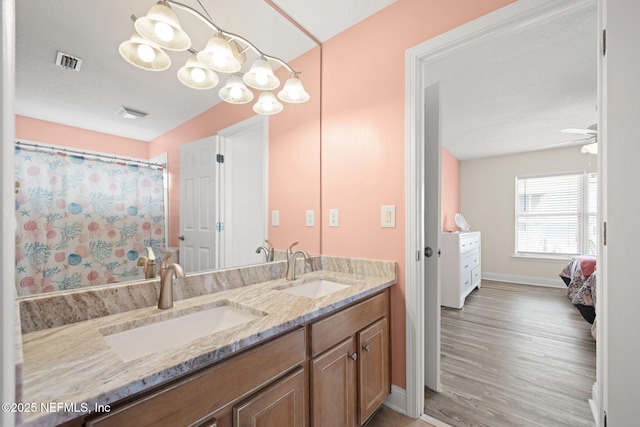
(84, 153)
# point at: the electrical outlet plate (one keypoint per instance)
(310, 218)
(333, 217)
(275, 218)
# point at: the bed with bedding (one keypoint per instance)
(580, 278)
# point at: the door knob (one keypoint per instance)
(354, 356)
(181, 237)
(428, 252)
(366, 347)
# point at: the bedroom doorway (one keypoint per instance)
(513, 16)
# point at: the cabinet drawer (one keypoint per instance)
(326, 332)
(476, 276)
(468, 243)
(470, 260)
(199, 395)
(280, 404)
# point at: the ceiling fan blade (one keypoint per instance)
(580, 131)
(561, 144)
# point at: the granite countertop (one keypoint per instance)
(73, 364)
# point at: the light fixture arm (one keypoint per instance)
(231, 36)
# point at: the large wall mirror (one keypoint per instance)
(62, 107)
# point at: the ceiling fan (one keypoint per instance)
(589, 137)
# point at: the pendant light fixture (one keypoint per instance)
(261, 76)
(196, 75)
(293, 91)
(144, 54)
(235, 91)
(161, 26)
(267, 104)
(224, 52)
(218, 56)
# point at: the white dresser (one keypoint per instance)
(460, 266)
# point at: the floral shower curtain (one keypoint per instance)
(83, 220)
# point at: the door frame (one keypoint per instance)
(8, 221)
(519, 13)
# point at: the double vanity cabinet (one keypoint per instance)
(331, 371)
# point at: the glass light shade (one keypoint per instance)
(196, 75)
(267, 104)
(144, 54)
(261, 76)
(218, 55)
(293, 91)
(235, 91)
(161, 26)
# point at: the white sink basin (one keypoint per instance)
(164, 333)
(315, 289)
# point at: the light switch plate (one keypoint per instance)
(388, 216)
(275, 218)
(333, 217)
(310, 218)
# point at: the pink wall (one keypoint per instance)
(363, 132)
(450, 190)
(77, 138)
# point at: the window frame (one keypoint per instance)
(585, 177)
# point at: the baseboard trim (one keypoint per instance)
(397, 400)
(434, 422)
(524, 280)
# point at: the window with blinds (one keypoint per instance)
(556, 214)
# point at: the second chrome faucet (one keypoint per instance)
(166, 282)
(291, 261)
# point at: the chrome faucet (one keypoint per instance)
(269, 253)
(166, 282)
(148, 264)
(290, 250)
(291, 263)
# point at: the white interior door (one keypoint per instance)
(431, 232)
(198, 208)
(244, 198)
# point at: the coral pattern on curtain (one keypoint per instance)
(83, 220)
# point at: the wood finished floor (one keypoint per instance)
(515, 355)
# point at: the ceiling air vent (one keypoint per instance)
(67, 61)
(128, 113)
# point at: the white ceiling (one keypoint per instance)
(511, 93)
(324, 19)
(514, 91)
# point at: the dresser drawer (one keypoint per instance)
(476, 276)
(469, 243)
(469, 261)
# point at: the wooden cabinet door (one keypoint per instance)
(334, 388)
(373, 371)
(279, 405)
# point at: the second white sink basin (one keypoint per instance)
(164, 333)
(314, 289)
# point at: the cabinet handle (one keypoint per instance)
(366, 347)
(354, 356)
